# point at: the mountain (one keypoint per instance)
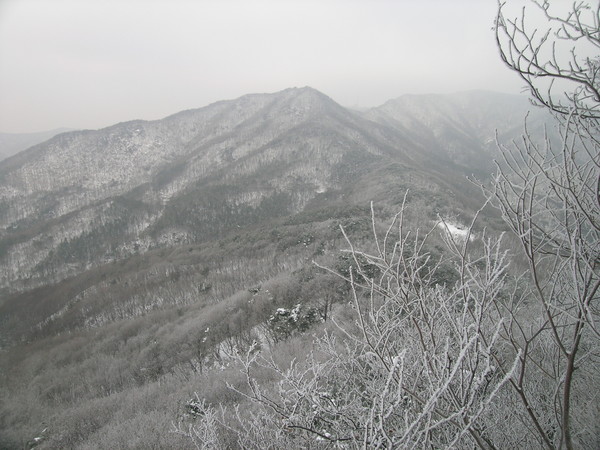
(85, 199)
(463, 126)
(195, 175)
(13, 143)
(121, 247)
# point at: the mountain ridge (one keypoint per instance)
(87, 199)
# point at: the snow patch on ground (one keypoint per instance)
(456, 230)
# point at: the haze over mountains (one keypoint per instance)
(85, 199)
(13, 143)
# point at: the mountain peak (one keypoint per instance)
(304, 90)
(307, 93)
(309, 101)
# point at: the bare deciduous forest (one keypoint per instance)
(497, 359)
(399, 325)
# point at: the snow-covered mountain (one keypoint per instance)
(78, 203)
(463, 126)
(192, 175)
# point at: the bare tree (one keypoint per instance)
(549, 196)
(555, 55)
(419, 366)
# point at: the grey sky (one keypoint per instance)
(89, 64)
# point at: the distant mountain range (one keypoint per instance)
(196, 190)
(13, 143)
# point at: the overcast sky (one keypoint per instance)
(90, 64)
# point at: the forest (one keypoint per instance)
(369, 300)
